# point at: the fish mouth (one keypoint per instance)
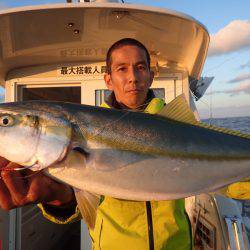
(32, 167)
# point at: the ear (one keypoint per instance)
(108, 81)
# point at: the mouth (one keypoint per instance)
(134, 91)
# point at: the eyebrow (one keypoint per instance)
(124, 64)
(120, 64)
(142, 62)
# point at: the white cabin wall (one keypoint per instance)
(8, 92)
(174, 81)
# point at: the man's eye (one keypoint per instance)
(141, 67)
(121, 69)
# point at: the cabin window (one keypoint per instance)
(205, 232)
(159, 92)
(101, 95)
(64, 94)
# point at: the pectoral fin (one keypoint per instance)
(87, 204)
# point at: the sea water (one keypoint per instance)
(235, 123)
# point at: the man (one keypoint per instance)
(128, 224)
(120, 224)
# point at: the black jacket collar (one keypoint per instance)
(112, 102)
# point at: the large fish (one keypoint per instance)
(127, 155)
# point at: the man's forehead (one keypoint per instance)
(128, 47)
(123, 52)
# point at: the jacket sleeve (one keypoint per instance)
(239, 190)
(60, 215)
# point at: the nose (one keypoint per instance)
(133, 75)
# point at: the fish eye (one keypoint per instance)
(6, 120)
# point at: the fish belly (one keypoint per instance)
(154, 178)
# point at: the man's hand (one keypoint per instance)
(19, 188)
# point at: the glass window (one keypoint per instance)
(63, 94)
(159, 92)
(101, 95)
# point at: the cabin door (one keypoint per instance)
(28, 229)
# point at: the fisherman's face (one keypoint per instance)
(130, 76)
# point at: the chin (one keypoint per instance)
(134, 104)
(134, 100)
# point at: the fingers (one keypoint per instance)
(46, 190)
(63, 195)
(19, 188)
(40, 187)
(16, 185)
(3, 162)
(6, 202)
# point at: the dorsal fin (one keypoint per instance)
(179, 110)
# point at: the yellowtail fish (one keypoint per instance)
(126, 154)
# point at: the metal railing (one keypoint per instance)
(235, 232)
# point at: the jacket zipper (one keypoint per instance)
(150, 225)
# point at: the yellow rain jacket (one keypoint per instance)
(138, 225)
(239, 190)
(124, 225)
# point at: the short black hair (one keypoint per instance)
(121, 43)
